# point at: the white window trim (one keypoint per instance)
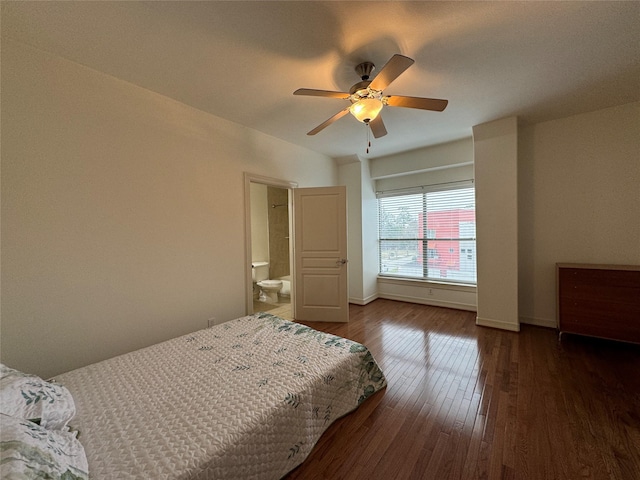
(458, 287)
(436, 187)
(399, 279)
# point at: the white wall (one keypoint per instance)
(122, 212)
(429, 159)
(362, 229)
(349, 176)
(496, 184)
(369, 236)
(579, 197)
(449, 175)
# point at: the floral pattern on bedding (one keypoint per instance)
(371, 380)
(30, 451)
(31, 398)
(247, 399)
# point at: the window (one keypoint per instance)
(428, 233)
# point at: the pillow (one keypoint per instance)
(28, 450)
(31, 398)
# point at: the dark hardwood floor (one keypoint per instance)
(468, 402)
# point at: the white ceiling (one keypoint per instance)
(242, 60)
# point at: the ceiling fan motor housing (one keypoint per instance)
(364, 70)
(360, 88)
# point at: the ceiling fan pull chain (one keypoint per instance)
(368, 137)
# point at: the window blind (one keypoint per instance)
(428, 233)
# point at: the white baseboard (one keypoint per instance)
(363, 301)
(423, 301)
(539, 322)
(489, 322)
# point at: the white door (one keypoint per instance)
(320, 246)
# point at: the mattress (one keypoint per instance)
(247, 399)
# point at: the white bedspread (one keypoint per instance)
(247, 399)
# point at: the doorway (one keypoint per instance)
(268, 226)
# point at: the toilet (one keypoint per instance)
(268, 288)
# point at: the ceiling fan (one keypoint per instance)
(367, 97)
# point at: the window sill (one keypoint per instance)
(459, 287)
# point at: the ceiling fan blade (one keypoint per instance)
(377, 127)
(434, 104)
(321, 93)
(326, 123)
(391, 70)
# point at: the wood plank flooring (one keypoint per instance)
(468, 402)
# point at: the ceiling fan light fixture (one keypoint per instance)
(367, 99)
(366, 109)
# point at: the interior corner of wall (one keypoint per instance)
(495, 128)
(500, 324)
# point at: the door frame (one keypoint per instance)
(250, 178)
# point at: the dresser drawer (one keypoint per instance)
(599, 300)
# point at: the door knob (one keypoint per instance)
(341, 261)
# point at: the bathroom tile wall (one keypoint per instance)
(278, 232)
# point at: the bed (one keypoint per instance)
(247, 399)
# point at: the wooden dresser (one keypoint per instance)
(599, 300)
